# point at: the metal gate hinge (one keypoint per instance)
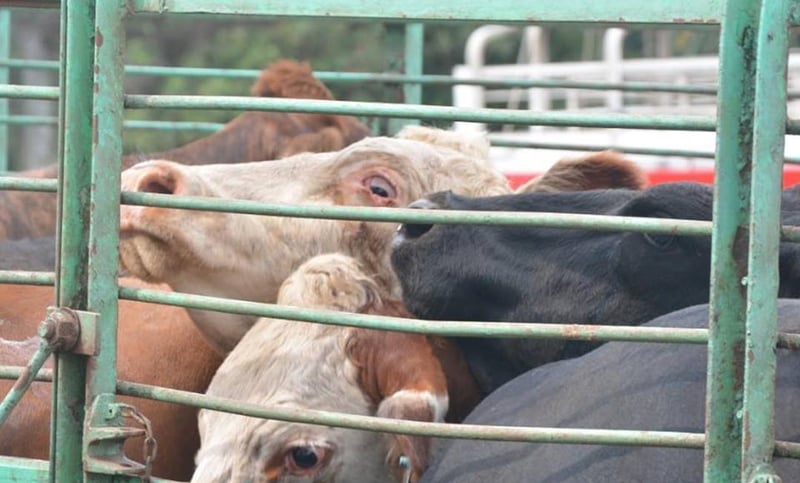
(106, 433)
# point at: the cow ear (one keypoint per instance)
(603, 170)
(164, 177)
(412, 406)
(402, 375)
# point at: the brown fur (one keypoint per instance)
(157, 345)
(287, 78)
(603, 170)
(394, 347)
(251, 136)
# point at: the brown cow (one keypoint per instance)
(251, 136)
(247, 256)
(324, 367)
(157, 345)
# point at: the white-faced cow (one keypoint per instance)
(324, 367)
(247, 256)
(551, 275)
(621, 385)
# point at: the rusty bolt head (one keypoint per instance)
(61, 329)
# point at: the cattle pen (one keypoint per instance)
(89, 425)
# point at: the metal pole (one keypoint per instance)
(729, 241)
(414, 43)
(75, 148)
(765, 220)
(5, 53)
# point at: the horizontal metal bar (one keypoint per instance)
(443, 328)
(663, 122)
(173, 126)
(372, 423)
(27, 278)
(614, 437)
(44, 93)
(513, 11)
(38, 471)
(514, 143)
(24, 469)
(19, 183)
(13, 372)
(352, 77)
(406, 215)
(442, 217)
(598, 333)
(19, 120)
(214, 126)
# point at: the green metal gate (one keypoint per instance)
(87, 428)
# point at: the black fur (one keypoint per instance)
(555, 275)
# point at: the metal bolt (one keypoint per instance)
(61, 329)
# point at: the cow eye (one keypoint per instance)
(380, 186)
(306, 460)
(660, 241)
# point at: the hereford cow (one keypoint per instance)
(157, 345)
(550, 275)
(325, 367)
(621, 385)
(247, 256)
(251, 136)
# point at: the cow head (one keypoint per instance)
(247, 256)
(305, 366)
(551, 275)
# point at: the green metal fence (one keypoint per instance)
(87, 429)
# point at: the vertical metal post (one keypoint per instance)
(763, 278)
(103, 290)
(735, 101)
(74, 188)
(394, 46)
(5, 53)
(414, 46)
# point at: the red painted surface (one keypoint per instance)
(791, 176)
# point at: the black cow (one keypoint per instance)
(556, 275)
(621, 385)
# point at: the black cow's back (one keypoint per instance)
(634, 386)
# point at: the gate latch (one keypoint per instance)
(109, 427)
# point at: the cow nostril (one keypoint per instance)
(414, 230)
(155, 186)
(410, 231)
